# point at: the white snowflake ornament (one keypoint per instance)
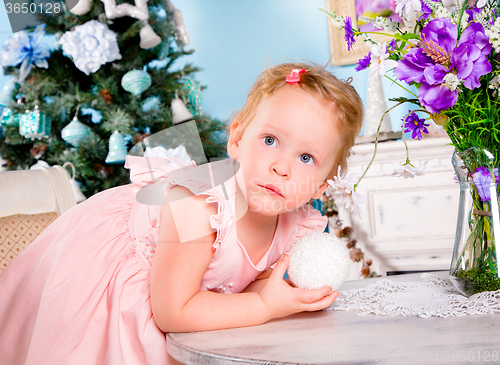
(91, 45)
(317, 260)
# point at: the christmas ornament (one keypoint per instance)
(34, 124)
(117, 148)
(79, 197)
(317, 260)
(26, 49)
(193, 95)
(8, 117)
(136, 82)
(81, 7)
(140, 11)
(8, 92)
(179, 111)
(91, 45)
(148, 37)
(181, 36)
(164, 50)
(75, 132)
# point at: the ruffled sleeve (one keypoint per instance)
(307, 220)
(153, 177)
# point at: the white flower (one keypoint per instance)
(481, 3)
(495, 83)
(408, 171)
(91, 45)
(494, 34)
(409, 8)
(379, 59)
(452, 81)
(337, 21)
(351, 199)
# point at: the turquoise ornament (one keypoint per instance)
(117, 148)
(8, 117)
(8, 92)
(193, 96)
(75, 132)
(34, 124)
(164, 50)
(136, 82)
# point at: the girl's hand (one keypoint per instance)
(281, 299)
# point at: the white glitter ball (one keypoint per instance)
(317, 260)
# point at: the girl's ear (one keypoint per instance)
(320, 190)
(233, 142)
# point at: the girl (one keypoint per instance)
(104, 282)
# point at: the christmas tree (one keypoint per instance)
(96, 95)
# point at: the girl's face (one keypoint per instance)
(286, 152)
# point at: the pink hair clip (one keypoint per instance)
(294, 75)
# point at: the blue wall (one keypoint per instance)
(234, 40)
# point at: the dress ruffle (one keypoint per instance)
(154, 174)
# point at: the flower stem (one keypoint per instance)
(401, 86)
(376, 142)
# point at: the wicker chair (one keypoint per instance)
(30, 200)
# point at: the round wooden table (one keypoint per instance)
(339, 337)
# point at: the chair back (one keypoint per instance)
(30, 200)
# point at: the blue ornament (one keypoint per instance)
(193, 95)
(8, 117)
(34, 124)
(117, 148)
(8, 91)
(136, 82)
(75, 132)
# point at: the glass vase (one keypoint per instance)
(474, 266)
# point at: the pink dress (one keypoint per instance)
(79, 294)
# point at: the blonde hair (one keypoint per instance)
(317, 82)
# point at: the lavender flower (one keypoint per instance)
(363, 62)
(349, 33)
(483, 180)
(439, 55)
(392, 45)
(415, 125)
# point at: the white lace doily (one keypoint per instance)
(431, 297)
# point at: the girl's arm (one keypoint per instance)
(178, 304)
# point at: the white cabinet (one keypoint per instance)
(407, 224)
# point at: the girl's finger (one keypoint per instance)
(280, 268)
(324, 302)
(311, 296)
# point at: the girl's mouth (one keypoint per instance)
(272, 189)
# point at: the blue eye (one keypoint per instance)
(269, 140)
(306, 159)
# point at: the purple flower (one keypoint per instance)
(415, 125)
(392, 45)
(438, 62)
(426, 11)
(483, 181)
(349, 33)
(364, 62)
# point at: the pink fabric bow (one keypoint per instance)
(294, 75)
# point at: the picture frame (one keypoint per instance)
(340, 56)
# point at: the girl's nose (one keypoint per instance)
(281, 168)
